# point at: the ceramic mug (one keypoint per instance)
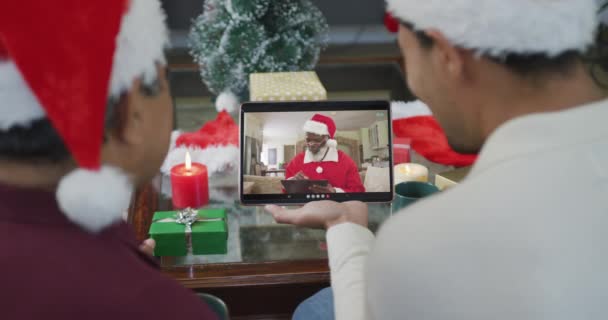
(408, 192)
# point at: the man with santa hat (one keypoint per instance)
(323, 161)
(86, 117)
(524, 235)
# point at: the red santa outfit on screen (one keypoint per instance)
(329, 163)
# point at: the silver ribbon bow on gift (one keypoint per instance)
(187, 217)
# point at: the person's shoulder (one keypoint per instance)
(138, 288)
(343, 156)
(299, 157)
(297, 161)
(454, 206)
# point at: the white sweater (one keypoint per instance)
(524, 237)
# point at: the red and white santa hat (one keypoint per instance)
(415, 122)
(322, 125)
(63, 60)
(215, 144)
(497, 27)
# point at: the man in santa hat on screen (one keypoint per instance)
(86, 116)
(524, 235)
(323, 161)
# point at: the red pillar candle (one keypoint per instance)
(189, 185)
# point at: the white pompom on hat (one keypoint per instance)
(498, 27)
(91, 50)
(227, 101)
(79, 194)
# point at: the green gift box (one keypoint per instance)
(209, 233)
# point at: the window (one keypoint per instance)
(272, 156)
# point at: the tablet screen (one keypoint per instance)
(296, 152)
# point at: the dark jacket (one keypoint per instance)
(52, 269)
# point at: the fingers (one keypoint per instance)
(320, 189)
(301, 176)
(314, 188)
(316, 214)
(148, 246)
(280, 215)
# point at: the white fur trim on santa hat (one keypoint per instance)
(18, 105)
(401, 109)
(316, 127)
(227, 101)
(215, 158)
(496, 27)
(140, 44)
(94, 199)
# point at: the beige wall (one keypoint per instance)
(354, 135)
(254, 128)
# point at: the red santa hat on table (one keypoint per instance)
(62, 60)
(322, 125)
(497, 27)
(215, 145)
(413, 121)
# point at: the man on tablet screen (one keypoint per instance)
(323, 161)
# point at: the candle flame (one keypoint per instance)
(188, 161)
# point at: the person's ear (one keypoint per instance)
(447, 57)
(132, 120)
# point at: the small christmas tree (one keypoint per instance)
(233, 38)
(598, 56)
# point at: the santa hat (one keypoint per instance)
(391, 24)
(322, 125)
(414, 121)
(215, 144)
(62, 60)
(498, 27)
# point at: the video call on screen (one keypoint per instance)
(277, 150)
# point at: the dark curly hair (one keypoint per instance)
(39, 141)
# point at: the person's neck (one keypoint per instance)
(321, 153)
(517, 98)
(33, 175)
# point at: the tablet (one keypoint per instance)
(302, 186)
(330, 144)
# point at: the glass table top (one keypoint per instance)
(254, 236)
